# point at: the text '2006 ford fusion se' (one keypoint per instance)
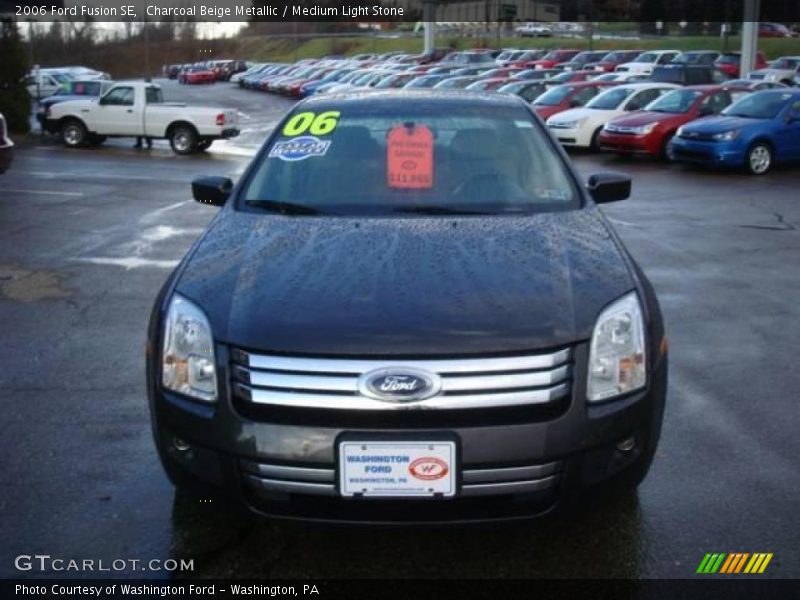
(409, 309)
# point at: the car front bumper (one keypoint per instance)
(579, 137)
(723, 154)
(522, 468)
(6, 156)
(629, 143)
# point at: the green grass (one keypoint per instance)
(287, 50)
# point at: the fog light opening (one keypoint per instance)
(627, 444)
(180, 445)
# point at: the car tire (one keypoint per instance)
(759, 158)
(665, 154)
(74, 134)
(594, 145)
(183, 139)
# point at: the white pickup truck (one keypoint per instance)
(131, 109)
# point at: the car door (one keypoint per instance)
(787, 139)
(116, 113)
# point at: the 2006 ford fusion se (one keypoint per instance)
(409, 309)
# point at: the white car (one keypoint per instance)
(532, 30)
(580, 127)
(647, 61)
(784, 70)
(44, 83)
(137, 109)
(622, 77)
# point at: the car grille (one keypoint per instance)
(692, 154)
(466, 383)
(296, 479)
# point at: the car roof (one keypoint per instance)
(644, 85)
(453, 98)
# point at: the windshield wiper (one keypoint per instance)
(286, 208)
(436, 210)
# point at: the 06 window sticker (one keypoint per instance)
(302, 130)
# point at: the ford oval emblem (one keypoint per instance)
(399, 384)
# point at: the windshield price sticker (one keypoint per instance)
(409, 157)
(315, 124)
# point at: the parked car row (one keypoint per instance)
(627, 102)
(205, 72)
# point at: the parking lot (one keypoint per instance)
(89, 236)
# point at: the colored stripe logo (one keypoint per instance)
(734, 563)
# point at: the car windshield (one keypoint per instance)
(763, 105)
(647, 57)
(555, 96)
(729, 59)
(785, 63)
(677, 102)
(611, 99)
(425, 82)
(562, 77)
(456, 83)
(423, 157)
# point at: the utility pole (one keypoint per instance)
(146, 51)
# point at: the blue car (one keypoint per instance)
(756, 132)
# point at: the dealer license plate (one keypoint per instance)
(397, 469)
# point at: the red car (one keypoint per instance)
(774, 30)
(571, 77)
(551, 59)
(613, 59)
(198, 75)
(729, 62)
(648, 132)
(566, 96)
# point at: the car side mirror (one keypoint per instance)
(705, 111)
(609, 187)
(575, 103)
(212, 190)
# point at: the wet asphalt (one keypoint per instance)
(87, 238)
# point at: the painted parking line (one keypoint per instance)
(44, 192)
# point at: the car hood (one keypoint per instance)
(721, 124)
(573, 114)
(405, 286)
(645, 117)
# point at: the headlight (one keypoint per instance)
(680, 131)
(644, 128)
(727, 136)
(187, 357)
(617, 360)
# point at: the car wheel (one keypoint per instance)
(73, 134)
(183, 139)
(759, 158)
(666, 151)
(594, 145)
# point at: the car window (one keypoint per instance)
(531, 92)
(555, 96)
(610, 99)
(642, 99)
(676, 102)
(154, 95)
(761, 105)
(718, 102)
(456, 158)
(121, 96)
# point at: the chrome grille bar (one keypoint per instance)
(467, 383)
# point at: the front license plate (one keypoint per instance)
(397, 469)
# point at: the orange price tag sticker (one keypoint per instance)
(409, 157)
